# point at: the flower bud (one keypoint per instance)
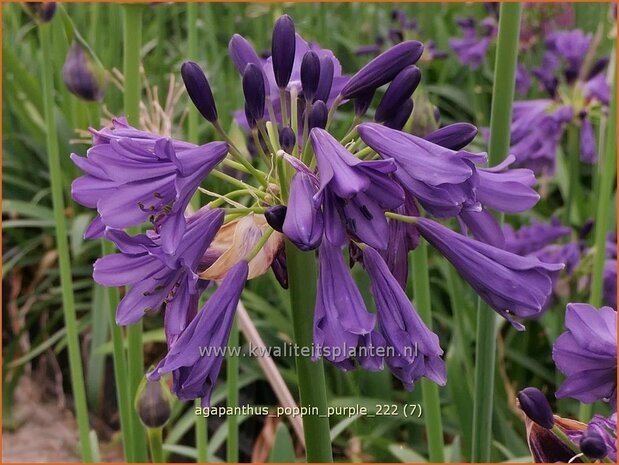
(535, 406)
(41, 12)
(325, 82)
(398, 92)
(310, 75)
(242, 53)
(593, 445)
(454, 136)
(597, 67)
(153, 403)
(275, 217)
(283, 43)
(82, 75)
(318, 115)
(400, 117)
(383, 68)
(362, 103)
(287, 139)
(253, 89)
(199, 90)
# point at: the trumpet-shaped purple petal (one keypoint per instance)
(360, 191)
(514, 286)
(195, 358)
(155, 276)
(130, 180)
(400, 324)
(587, 354)
(340, 316)
(588, 152)
(484, 227)
(403, 237)
(303, 224)
(441, 179)
(506, 190)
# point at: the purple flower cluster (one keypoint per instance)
(471, 48)
(402, 28)
(538, 125)
(370, 196)
(541, 240)
(587, 355)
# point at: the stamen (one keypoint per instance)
(366, 213)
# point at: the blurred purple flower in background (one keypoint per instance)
(472, 47)
(587, 354)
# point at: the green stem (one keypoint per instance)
(201, 436)
(132, 27)
(155, 444)
(232, 385)
(429, 390)
(62, 245)
(120, 365)
(573, 147)
(568, 442)
(500, 125)
(607, 173)
(310, 375)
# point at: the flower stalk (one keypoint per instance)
(66, 280)
(132, 26)
(500, 123)
(607, 173)
(232, 381)
(311, 377)
(429, 390)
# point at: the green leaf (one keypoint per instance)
(283, 448)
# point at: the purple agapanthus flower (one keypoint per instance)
(354, 194)
(512, 285)
(340, 315)
(587, 354)
(416, 349)
(536, 133)
(572, 47)
(134, 176)
(442, 180)
(533, 237)
(502, 189)
(471, 48)
(156, 277)
(194, 372)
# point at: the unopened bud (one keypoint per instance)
(535, 406)
(318, 115)
(453, 136)
(283, 43)
(325, 82)
(400, 117)
(42, 12)
(153, 403)
(199, 90)
(275, 216)
(593, 445)
(287, 139)
(253, 89)
(310, 75)
(82, 75)
(400, 90)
